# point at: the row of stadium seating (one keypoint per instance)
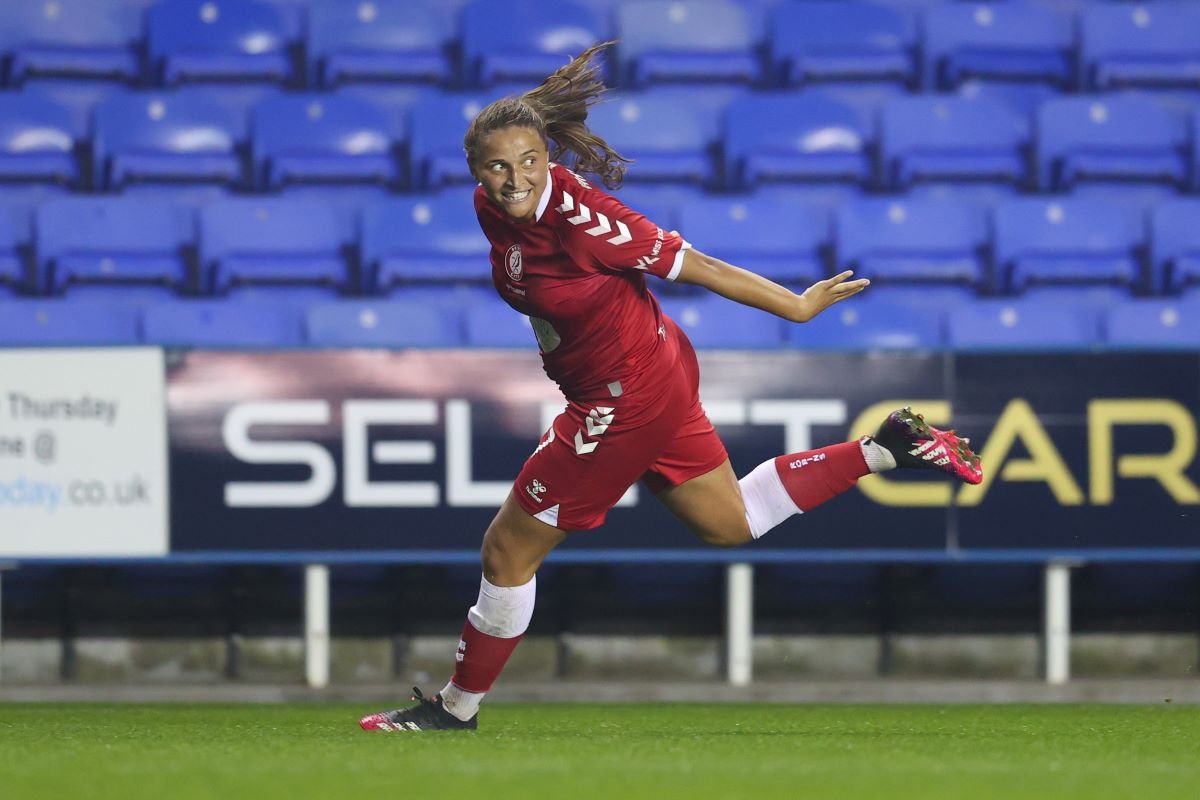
(776, 42)
(130, 248)
(884, 320)
(730, 141)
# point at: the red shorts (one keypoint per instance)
(588, 458)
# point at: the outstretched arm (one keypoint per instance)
(749, 289)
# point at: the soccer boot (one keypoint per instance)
(427, 715)
(916, 444)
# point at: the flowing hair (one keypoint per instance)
(557, 110)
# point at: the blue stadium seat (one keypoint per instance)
(716, 323)
(436, 131)
(271, 243)
(707, 103)
(1066, 240)
(998, 41)
(525, 40)
(1175, 245)
(951, 138)
(796, 137)
(1195, 155)
(819, 41)
(1023, 98)
(35, 141)
(112, 242)
(346, 201)
(497, 324)
(390, 324)
(198, 40)
(221, 324)
(1110, 138)
(379, 40)
(783, 242)
(66, 323)
(77, 97)
(238, 101)
(1023, 326)
(13, 277)
(660, 203)
(308, 138)
(665, 138)
(397, 100)
(70, 38)
(871, 323)
(1140, 45)
(164, 136)
(685, 40)
(912, 240)
(1154, 324)
(422, 239)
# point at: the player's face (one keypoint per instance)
(513, 170)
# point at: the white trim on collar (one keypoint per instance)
(545, 201)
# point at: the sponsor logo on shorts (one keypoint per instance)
(536, 488)
(799, 463)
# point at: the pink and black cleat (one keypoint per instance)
(427, 715)
(916, 444)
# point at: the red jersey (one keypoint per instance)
(578, 271)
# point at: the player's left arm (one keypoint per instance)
(750, 289)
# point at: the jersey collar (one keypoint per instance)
(545, 201)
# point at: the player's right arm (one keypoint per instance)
(750, 289)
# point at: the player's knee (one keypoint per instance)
(731, 534)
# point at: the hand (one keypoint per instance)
(822, 294)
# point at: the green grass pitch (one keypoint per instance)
(603, 751)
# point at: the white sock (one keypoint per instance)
(767, 502)
(878, 458)
(459, 702)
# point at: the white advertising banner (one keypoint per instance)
(83, 453)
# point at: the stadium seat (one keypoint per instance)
(998, 41)
(1012, 324)
(70, 38)
(376, 40)
(387, 324)
(271, 243)
(786, 243)
(346, 201)
(707, 103)
(79, 98)
(110, 242)
(1175, 245)
(870, 323)
(221, 324)
(912, 240)
(437, 128)
(1066, 241)
(13, 277)
(819, 41)
(524, 40)
(685, 40)
(716, 323)
(660, 203)
(1124, 45)
(164, 137)
(1154, 324)
(394, 99)
(1195, 156)
(35, 141)
(497, 324)
(199, 40)
(790, 137)
(422, 239)
(66, 323)
(1110, 138)
(1023, 98)
(951, 138)
(308, 138)
(664, 138)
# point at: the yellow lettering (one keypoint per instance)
(1167, 468)
(1045, 463)
(908, 493)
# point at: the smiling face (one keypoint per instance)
(512, 166)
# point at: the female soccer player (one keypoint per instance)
(575, 260)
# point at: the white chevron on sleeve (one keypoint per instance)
(568, 203)
(622, 237)
(602, 226)
(584, 215)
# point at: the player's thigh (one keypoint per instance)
(515, 545)
(711, 506)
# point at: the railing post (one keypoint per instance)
(1056, 622)
(316, 625)
(739, 623)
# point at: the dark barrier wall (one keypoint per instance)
(370, 450)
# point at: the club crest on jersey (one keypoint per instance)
(512, 263)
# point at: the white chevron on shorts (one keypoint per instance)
(581, 448)
(602, 226)
(624, 235)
